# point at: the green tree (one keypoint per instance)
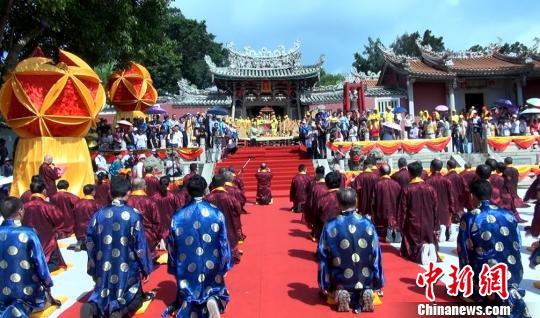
(406, 43)
(371, 58)
(516, 48)
(477, 48)
(330, 79)
(100, 31)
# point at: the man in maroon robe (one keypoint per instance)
(102, 189)
(298, 191)
(327, 206)
(46, 219)
(264, 183)
(167, 204)
(402, 175)
(139, 200)
(469, 175)
(364, 184)
(26, 196)
(532, 190)
(317, 189)
(233, 189)
(49, 174)
(192, 172)
(65, 202)
(83, 212)
(511, 176)
(385, 203)
(231, 210)
(152, 183)
(237, 179)
(459, 190)
(418, 218)
(484, 172)
(445, 200)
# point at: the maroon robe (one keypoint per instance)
(299, 187)
(402, 177)
(445, 200)
(166, 205)
(103, 193)
(318, 190)
(511, 179)
(46, 219)
(152, 184)
(343, 182)
(459, 191)
(25, 197)
(186, 178)
(49, 175)
(364, 184)
(531, 191)
(231, 210)
(326, 209)
(182, 197)
(83, 213)
(151, 218)
(238, 182)
(469, 176)
(66, 202)
(535, 223)
(264, 183)
(417, 217)
(238, 194)
(385, 202)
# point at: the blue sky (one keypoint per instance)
(339, 28)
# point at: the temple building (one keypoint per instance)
(461, 80)
(252, 80)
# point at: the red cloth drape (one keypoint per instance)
(438, 144)
(524, 142)
(499, 143)
(392, 146)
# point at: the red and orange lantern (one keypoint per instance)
(52, 107)
(131, 91)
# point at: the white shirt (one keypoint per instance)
(176, 138)
(140, 141)
(101, 163)
(139, 169)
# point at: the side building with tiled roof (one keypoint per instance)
(461, 80)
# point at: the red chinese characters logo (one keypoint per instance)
(429, 279)
(462, 281)
(494, 280)
(491, 280)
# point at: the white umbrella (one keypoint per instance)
(530, 111)
(124, 122)
(534, 102)
(392, 125)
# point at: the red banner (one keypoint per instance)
(389, 147)
(501, 143)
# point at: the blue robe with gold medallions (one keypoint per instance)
(117, 256)
(24, 275)
(199, 257)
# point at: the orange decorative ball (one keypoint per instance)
(41, 99)
(131, 89)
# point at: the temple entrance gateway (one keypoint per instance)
(474, 99)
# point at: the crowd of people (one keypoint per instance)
(474, 208)
(124, 225)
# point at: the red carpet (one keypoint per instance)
(278, 273)
(283, 161)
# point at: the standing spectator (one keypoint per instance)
(141, 140)
(175, 137)
(3, 151)
(353, 132)
(101, 162)
(415, 131)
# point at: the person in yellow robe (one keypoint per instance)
(274, 125)
(389, 114)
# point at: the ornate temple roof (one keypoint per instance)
(448, 65)
(264, 64)
(190, 95)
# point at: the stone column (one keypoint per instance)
(519, 93)
(298, 104)
(233, 107)
(452, 98)
(346, 97)
(410, 95)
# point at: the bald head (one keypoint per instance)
(346, 198)
(385, 170)
(138, 184)
(48, 159)
(229, 176)
(264, 166)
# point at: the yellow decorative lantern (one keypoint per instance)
(51, 107)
